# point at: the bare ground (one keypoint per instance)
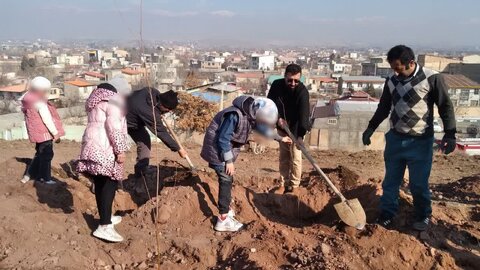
(47, 227)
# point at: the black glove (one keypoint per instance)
(366, 136)
(448, 145)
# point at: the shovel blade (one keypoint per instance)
(351, 213)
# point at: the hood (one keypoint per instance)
(98, 95)
(244, 103)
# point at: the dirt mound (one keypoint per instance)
(282, 231)
(464, 190)
(194, 113)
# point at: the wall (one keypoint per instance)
(357, 86)
(346, 134)
(110, 73)
(12, 126)
(465, 97)
(71, 92)
(437, 63)
(471, 59)
(262, 62)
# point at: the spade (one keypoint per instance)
(350, 211)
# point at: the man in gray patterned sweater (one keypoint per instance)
(408, 97)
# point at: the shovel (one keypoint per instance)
(350, 211)
(170, 130)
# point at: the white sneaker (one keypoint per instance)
(116, 220)
(231, 213)
(107, 232)
(50, 182)
(229, 224)
(25, 179)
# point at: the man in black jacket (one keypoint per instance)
(292, 100)
(145, 109)
(408, 97)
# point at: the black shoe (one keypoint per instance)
(288, 189)
(385, 222)
(421, 224)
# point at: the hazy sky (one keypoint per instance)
(277, 22)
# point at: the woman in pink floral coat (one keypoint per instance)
(104, 145)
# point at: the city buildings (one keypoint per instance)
(264, 61)
(360, 83)
(12, 92)
(378, 66)
(462, 90)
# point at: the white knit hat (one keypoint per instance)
(40, 83)
(121, 84)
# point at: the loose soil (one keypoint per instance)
(49, 227)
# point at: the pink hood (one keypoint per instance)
(98, 95)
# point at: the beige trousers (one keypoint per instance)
(290, 166)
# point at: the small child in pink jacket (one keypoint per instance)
(104, 145)
(43, 127)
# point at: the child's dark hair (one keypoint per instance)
(401, 52)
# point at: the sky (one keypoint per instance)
(440, 23)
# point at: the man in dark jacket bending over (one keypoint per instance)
(292, 100)
(141, 114)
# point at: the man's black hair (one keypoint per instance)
(293, 69)
(401, 52)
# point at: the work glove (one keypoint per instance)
(448, 145)
(366, 136)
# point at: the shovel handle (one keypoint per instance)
(170, 130)
(314, 164)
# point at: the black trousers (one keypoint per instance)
(144, 145)
(225, 184)
(104, 194)
(41, 166)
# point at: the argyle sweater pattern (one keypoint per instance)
(409, 102)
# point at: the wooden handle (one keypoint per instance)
(315, 165)
(170, 130)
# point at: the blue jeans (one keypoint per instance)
(225, 183)
(416, 153)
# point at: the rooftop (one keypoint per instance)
(358, 96)
(80, 83)
(224, 87)
(336, 107)
(323, 79)
(363, 79)
(249, 75)
(95, 74)
(460, 81)
(18, 88)
(130, 71)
